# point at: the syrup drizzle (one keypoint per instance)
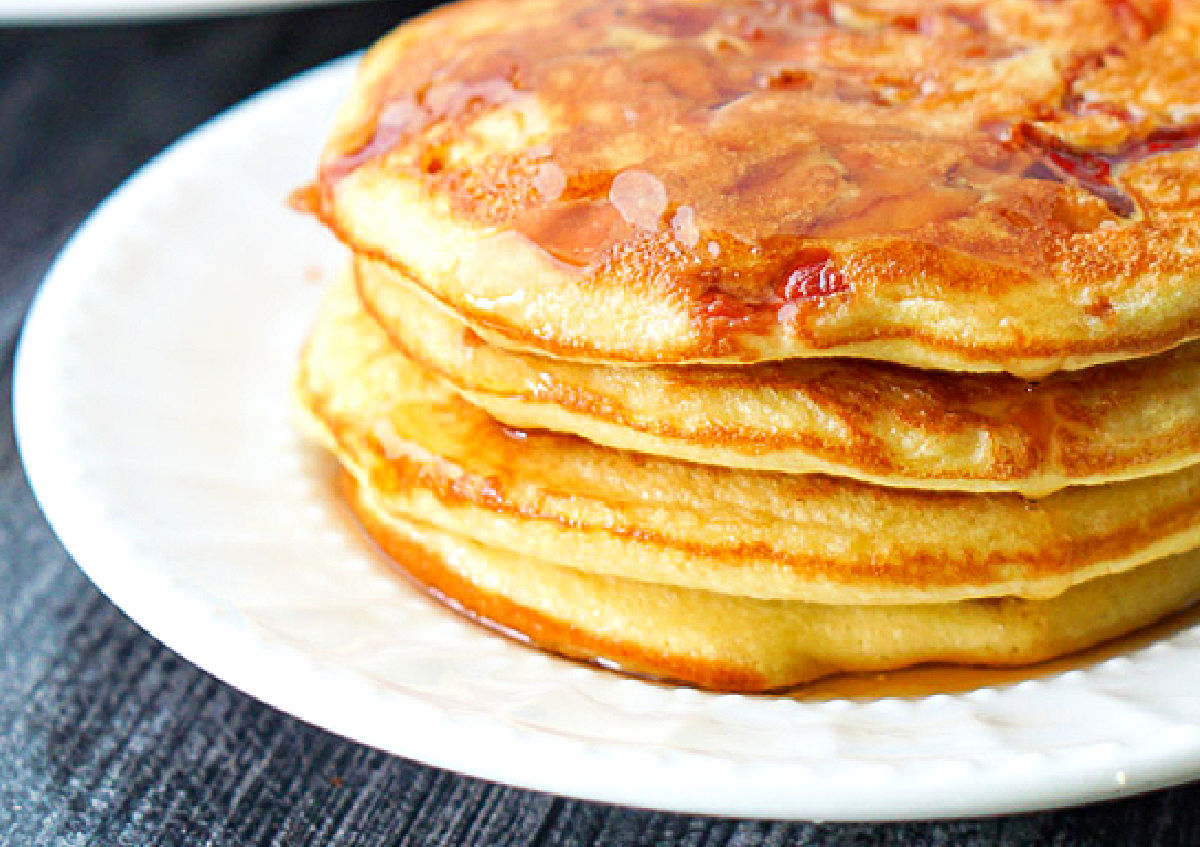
(410, 114)
(1094, 170)
(676, 83)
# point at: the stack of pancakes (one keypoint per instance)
(739, 343)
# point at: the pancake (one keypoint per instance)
(881, 423)
(1011, 185)
(732, 643)
(428, 456)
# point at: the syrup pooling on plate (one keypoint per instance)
(720, 146)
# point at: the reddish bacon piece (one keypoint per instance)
(813, 277)
(1093, 170)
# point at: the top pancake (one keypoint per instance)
(1004, 186)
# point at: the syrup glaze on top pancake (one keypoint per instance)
(1004, 185)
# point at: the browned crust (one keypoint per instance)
(1035, 156)
(1047, 429)
(393, 476)
(919, 569)
(717, 343)
(497, 612)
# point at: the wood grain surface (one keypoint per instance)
(107, 737)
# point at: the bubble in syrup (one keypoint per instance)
(549, 181)
(640, 197)
(684, 225)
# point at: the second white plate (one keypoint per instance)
(152, 411)
(67, 11)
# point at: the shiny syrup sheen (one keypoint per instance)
(773, 124)
(1096, 170)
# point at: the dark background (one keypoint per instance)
(108, 738)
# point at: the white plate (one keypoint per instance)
(46, 11)
(152, 412)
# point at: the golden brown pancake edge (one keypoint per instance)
(875, 422)
(433, 457)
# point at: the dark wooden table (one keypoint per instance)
(107, 737)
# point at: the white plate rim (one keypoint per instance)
(680, 778)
